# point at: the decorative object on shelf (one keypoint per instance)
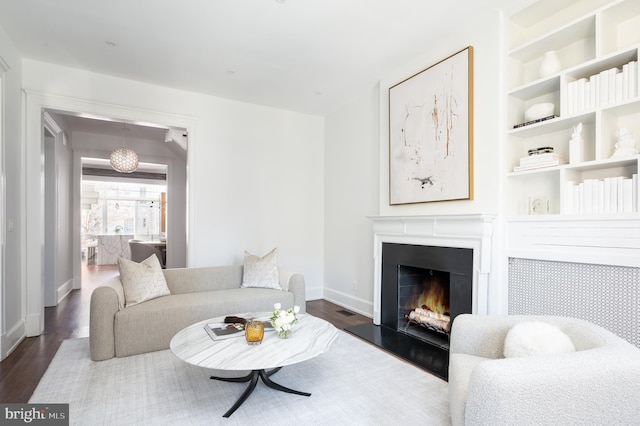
(576, 145)
(626, 144)
(539, 205)
(254, 332)
(542, 150)
(123, 159)
(526, 123)
(539, 111)
(537, 161)
(550, 64)
(283, 321)
(430, 133)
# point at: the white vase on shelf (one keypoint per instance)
(550, 64)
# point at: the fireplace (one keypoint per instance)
(424, 288)
(412, 254)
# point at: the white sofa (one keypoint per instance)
(599, 384)
(197, 294)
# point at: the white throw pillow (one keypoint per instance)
(261, 272)
(142, 281)
(536, 338)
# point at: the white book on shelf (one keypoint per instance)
(633, 79)
(620, 187)
(539, 159)
(599, 204)
(619, 87)
(579, 199)
(614, 194)
(612, 72)
(634, 192)
(625, 81)
(594, 85)
(627, 185)
(587, 196)
(606, 201)
(604, 88)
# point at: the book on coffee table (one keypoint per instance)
(218, 331)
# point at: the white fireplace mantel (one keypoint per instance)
(472, 231)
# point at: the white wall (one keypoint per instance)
(12, 296)
(351, 194)
(351, 145)
(255, 173)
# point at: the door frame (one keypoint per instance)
(35, 104)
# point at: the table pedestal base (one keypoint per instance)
(253, 379)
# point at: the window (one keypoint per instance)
(122, 208)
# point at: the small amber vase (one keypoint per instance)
(254, 332)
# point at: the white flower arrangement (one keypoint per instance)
(282, 321)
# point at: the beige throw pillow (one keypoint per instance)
(142, 281)
(261, 272)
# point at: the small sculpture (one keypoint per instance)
(625, 145)
(576, 145)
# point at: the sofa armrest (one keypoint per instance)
(294, 283)
(597, 386)
(106, 301)
(297, 287)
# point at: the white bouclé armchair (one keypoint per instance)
(599, 383)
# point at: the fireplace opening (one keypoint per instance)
(424, 304)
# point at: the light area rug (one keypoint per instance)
(354, 383)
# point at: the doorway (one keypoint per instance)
(101, 144)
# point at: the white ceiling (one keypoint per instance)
(302, 55)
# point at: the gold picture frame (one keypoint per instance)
(431, 133)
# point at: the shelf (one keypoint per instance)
(594, 66)
(553, 125)
(589, 37)
(601, 164)
(536, 88)
(580, 29)
(541, 170)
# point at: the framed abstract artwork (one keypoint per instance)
(431, 133)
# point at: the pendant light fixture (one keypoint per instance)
(123, 159)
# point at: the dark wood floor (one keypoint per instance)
(21, 371)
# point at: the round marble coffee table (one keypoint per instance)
(311, 337)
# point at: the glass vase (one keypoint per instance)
(284, 334)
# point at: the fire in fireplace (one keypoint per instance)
(423, 304)
(429, 306)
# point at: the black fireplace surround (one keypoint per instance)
(458, 263)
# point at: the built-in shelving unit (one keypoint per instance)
(590, 38)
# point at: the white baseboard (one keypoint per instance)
(355, 304)
(33, 325)
(64, 290)
(12, 338)
(314, 293)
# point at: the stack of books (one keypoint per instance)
(537, 161)
(608, 87)
(600, 196)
